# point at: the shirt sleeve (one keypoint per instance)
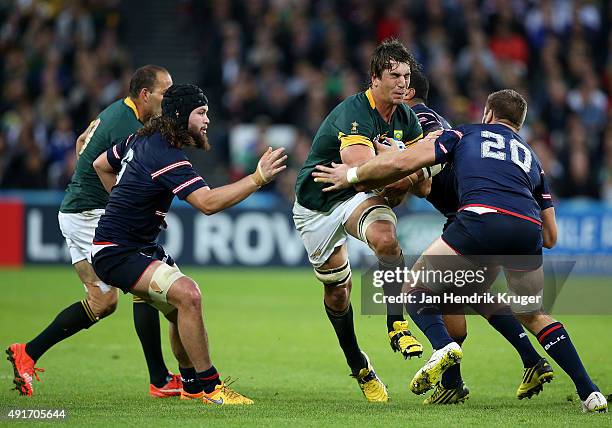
(178, 176)
(354, 127)
(429, 122)
(117, 152)
(542, 193)
(445, 145)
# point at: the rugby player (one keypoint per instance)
(145, 173)
(81, 208)
(503, 195)
(324, 220)
(443, 196)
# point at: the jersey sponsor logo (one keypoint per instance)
(354, 126)
(398, 134)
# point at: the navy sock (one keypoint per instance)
(558, 345)
(451, 378)
(428, 318)
(345, 331)
(189, 378)
(146, 323)
(395, 311)
(209, 379)
(512, 330)
(71, 320)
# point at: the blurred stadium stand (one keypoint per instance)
(290, 61)
(273, 62)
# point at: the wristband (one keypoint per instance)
(351, 175)
(258, 177)
(430, 171)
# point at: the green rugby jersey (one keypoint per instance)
(115, 123)
(354, 121)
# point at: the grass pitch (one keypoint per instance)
(268, 328)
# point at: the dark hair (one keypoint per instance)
(420, 84)
(144, 77)
(170, 130)
(508, 105)
(389, 50)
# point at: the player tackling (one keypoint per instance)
(503, 195)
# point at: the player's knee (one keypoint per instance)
(385, 245)
(187, 294)
(102, 299)
(375, 223)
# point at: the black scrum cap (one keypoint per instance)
(180, 100)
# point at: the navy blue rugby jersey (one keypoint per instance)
(495, 168)
(151, 173)
(443, 195)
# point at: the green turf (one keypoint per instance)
(268, 328)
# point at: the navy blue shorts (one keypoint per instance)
(496, 238)
(122, 267)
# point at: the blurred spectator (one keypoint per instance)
(291, 61)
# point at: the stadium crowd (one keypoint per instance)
(291, 61)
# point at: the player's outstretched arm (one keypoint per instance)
(549, 227)
(108, 176)
(210, 201)
(384, 169)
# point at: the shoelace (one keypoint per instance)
(36, 369)
(225, 387)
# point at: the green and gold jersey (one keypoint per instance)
(114, 124)
(354, 121)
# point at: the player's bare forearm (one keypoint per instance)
(106, 173)
(389, 167)
(211, 201)
(549, 227)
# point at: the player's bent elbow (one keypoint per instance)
(549, 240)
(208, 210)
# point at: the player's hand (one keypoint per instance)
(389, 145)
(335, 175)
(396, 193)
(432, 136)
(269, 166)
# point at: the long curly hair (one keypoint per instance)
(175, 135)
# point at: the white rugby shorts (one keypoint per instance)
(78, 230)
(320, 231)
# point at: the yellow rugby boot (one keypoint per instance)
(224, 395)
(432, 371)
(443, 395)
(534, 379)
(372, 387)
(401, 340)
